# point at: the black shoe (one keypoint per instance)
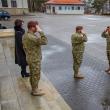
(22, 75)
(78, 76)
(26, 75)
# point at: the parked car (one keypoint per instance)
(4, 15)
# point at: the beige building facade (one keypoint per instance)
(14, 7)
(65, 7)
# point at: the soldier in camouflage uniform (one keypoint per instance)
(78, 40)
(32, 46)
(106, 34)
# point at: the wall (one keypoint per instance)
(22, 7)
(16, 11)
(22, 4)
(66, 11)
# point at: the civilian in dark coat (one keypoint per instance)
(20, 57)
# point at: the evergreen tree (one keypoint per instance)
(40, 4)
(36, 5)
(98, 5)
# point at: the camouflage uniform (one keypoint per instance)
(107, 36)
(78, 46)
(32, 46)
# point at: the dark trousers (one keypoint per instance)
(108, 56)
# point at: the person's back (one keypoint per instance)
(19, 32)
(20, 57)
(78, 42)
(78, 45)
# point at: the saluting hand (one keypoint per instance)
(83, 33)
(38, 28)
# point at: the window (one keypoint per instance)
(60, 8)
(78, 8)
(49, 7)
(72, 8)
(68, 8)
(65, 8)
(4, 3)
(13, 3)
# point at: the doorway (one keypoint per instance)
(53, 10)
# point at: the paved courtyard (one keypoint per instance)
(93, 91)
(15, 91)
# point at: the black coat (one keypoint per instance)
(20, 56)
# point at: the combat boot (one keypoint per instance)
(78, 76)
(107, 70)
(37, 92)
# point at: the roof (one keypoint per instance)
(64, 2)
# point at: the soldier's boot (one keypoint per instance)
(78, 76)
(37, 92)
(107, 70)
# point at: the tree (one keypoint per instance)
(98, 5)
(31, 5)
(39, 4)
(36, 5)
